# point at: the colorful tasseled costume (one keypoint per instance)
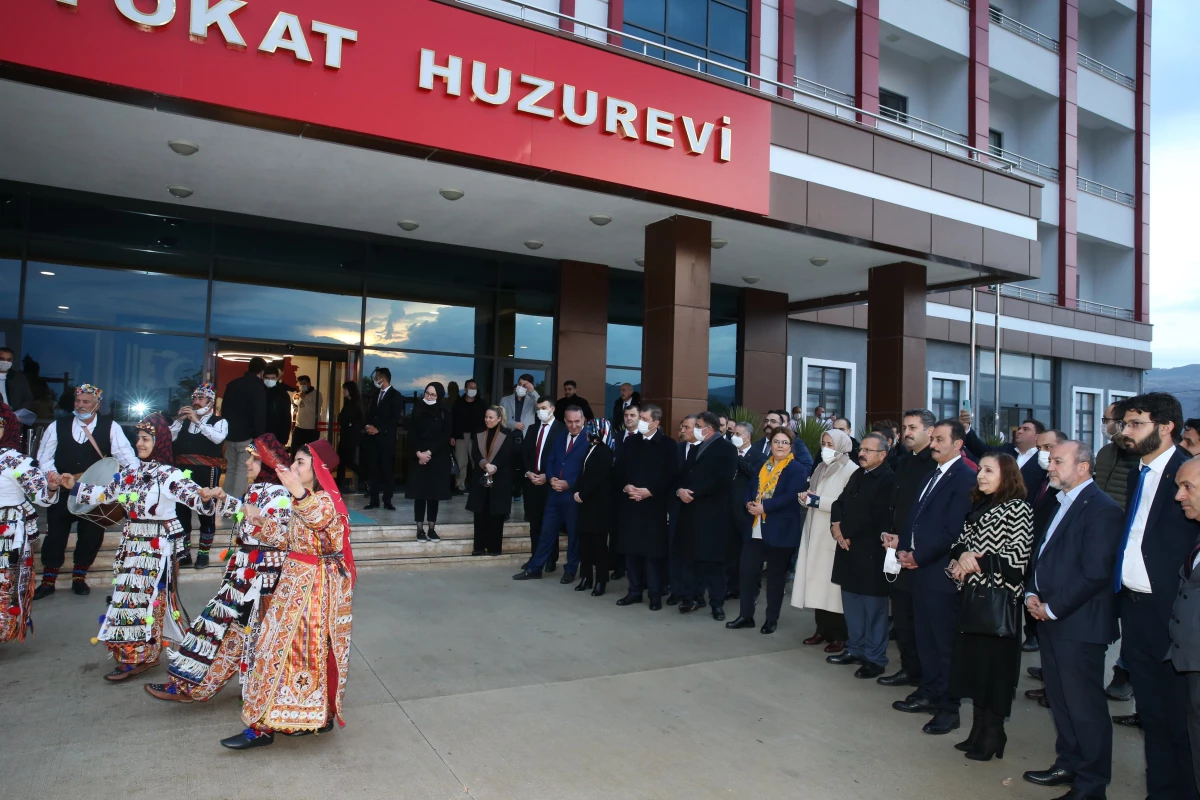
(20, 482)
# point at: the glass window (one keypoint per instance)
(131, 229)
(722, 350)
(1026, 390)
(624, 345)
(10, 284)
(722, 393)
(826, 388)
(713, 29)
(686, 19)
(150, 301)
(1085, 417)
(642, 47)
(1042, 369)
(10, 211)
(424, 326)
(268, 312)
(946, 397)
(152, 372)
(1016, 365)
(412, 372)
(726, 30)
(276, 246)
(613, 378)
(650, 14)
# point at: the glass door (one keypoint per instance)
(543, 378)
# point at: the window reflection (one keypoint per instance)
(722, 349)
(10, 284)
(613, 378)
(149, 301)
(412, 372)
(266, 312)
(624, 345)
(526, 336)
(421, 326)
(722, 391)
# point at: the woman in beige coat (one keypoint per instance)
(814, 564)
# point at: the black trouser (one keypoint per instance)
(594, 557)
(733, 565)
(906, 632)
(645, 575)
(489, 532)
(535, 511)
(301, 437)
(936, 624)
(421, 508)
(383, 468)
(1030, 626)
(701, 576)
(778, 559)
(206, 477)
(88, 537)
(1074, 677)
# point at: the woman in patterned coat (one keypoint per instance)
(992, 551)
(298, 679)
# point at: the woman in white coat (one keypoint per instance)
(814, 564)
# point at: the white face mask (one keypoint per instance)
(429, 402)
(797, 417)
(737, 441)
(472, 392)
(643, 427)
(544, 414)
(270, 382)
(521, 391)
(5, 366)
(828, 454)
(378, 384)
(1044, 459)
(698, 433)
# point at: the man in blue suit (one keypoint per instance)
(1156, 542)
(563, 468)
(1069, 593)
(934, 525)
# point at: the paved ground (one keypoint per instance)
(466, 684)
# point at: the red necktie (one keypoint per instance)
(570, 441)
(541, 434)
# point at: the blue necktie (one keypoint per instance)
(1129, 516)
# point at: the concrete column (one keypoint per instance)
(979, 87)
(676, 317)
(866, 58)
(896, 377)
(762, 349)
(582, 330)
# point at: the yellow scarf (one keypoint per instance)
(768, 476)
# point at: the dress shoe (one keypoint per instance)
(433, 536)
(583, 585)
(166, 691)
(740, 622)
(186, 559)
(1035, 673)
(248, 739)
(844, 657)
(673, 599)
(915, 703)
(688, 606)
(80, 588)
(1119, 688)
(370, 506)
(599, 590)
(868, 670)
(835, 647)
(942, 723)
(1031, 645)
(1133, 720)
(201, 560)
(1075, 794)
(567, 577)
(525, 565)
(480, 553)
(732, 596)
(629, 600)
(901, 678)
(43, 590)
(1035, 694)
(656, 604)
(552, 566)
(1055, 776)
(388, 507)
(816, 638)
(526, 575)
(769, 626)
(718, 613)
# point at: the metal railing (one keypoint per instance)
(1103, 310)
(822, 91)
(1025, 164)
(954, 144)
(1051, 299)
(963, 3)
(1107, 71)
(1107, 192)
(1023, 30)
(923, 125)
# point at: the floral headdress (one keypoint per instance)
(11, 437)
(157, 426)
(205, 390)
(87, 388)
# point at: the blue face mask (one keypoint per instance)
(79, 415)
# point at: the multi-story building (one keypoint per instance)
(764, 202)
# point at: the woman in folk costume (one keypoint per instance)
(145, 602)
(220, 643)
(298, 679)
(814, 587)
(20, 483)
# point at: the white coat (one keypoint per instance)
(814, 565)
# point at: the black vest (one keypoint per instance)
(75, 457)
(195, 443)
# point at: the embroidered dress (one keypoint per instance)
(145, 599)
(20, 482)
(298, 677)
(221, 641)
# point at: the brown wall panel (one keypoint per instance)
(765, 380)
(902, 227)
(789, 128)
(789, 199)
(1005, 251)
(957, 178)
(837, 211)
(840, 142)
(905, 162)
(954, 239)
(1004, 192)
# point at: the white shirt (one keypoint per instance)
(121, 449)
(1133, 567)
(938, 474)
(1065, 500)
(215, 433)
(1023, 458)
(540, 457)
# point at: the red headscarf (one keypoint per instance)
(272, 455)
(324, 461)
(157, 426)
(12, 428)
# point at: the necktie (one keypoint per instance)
(1042, 491)
(1187, 568)
(538, 448)
(1129, 517)
(570, 442)
(937, 473)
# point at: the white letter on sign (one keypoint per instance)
(658, 127)
(479, 84)
(696, 144)
(589, 106)
(334, 36)
(726, 141)
(451, 73)
(619, 112)
(163, 13)
(204, 17)
(294, 40)
(528, 103)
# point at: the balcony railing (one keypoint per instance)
(822, 91)
(1025, 164)
(923, 125)
(963, 3)
(1107, 192)
(1103, 310)
(1023, 30)
(1106, 71)
(1051, 299)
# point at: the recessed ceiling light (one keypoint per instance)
(717, 244)
(818, 261)
(46, 272)
(534, 244)
(409, 224)
(524, 347)
(750, 279)
(451, 194)
(64, 308)
(641, 262)
(600, 219)
(180, 191)
(183, 148)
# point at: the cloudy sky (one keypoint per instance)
(1174, 180)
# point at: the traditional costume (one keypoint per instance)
(200, 447)
(145, 603)
(20, 482)
(221, 641)
(298, 679)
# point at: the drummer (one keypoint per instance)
(200, 448)
(71, 446)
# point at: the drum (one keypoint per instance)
(103, 514)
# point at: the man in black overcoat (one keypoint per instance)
(704, 488)
(645, 471)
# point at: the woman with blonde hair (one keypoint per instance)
(494, 452)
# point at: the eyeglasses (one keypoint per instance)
(1107, 420)
(1135, 424)
(870, 450)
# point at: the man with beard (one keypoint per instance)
(1157, 541)
(773, 421)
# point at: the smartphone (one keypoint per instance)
(965, 405)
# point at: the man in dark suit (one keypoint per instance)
(1045, 506)
(625, 427)
(1023, 448)
(645, 472)
(1156, 543)
(562, 470)
(685, 441)
(279, 404)
(773, 421)
(244, 407)
(934, 525)
(1185, 637)
(627, 399)
(703, 491)
(570, 398)
(383, 416)
(749, 462)
(535, 451)
(1068, 591)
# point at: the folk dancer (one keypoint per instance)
(20, 482)
(145, 603)
(198, 437)
(298, 679)
(220, 643)
(71, 445)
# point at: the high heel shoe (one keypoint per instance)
(972, 740)
(584, 584)
(991, 741)
(599, 590)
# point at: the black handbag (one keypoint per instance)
(989, 608)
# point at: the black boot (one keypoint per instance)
(585, 583)
(599, 590)
(976, 730)
(992, 740)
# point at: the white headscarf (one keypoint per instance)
(842, 444)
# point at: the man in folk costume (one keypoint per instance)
(145, 604)
(221, 641)
(20, 483)
(71, 445)
(297, 681)
(199, 445)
